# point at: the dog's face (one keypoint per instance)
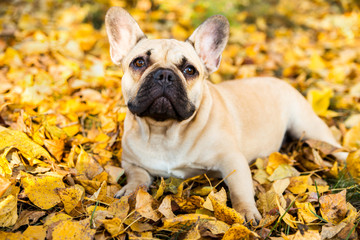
(163, 79)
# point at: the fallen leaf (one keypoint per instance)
(352, 137)
(27, 217)
(238, 231)
(275, 160)
(165, 207)
(329, 230)
(120, 208)
(75, 229)
(8, 211)
(299, 184)
(224, 213)
(143, 205)
(35, 232)
(333, 207)
(71, 196)
(56, 217)
(114, 226)
(185, 220)
(4, 185)
(38, 187)
(20, 141)
(353, 165)
(299, 235)
(306, 212)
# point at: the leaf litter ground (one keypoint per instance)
(62, 112)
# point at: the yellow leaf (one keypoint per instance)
(301, 235)
(12, 57)
(352, 137)
(286, 217)
(5, 169)
(77, 230)
(100, 194)
(90, 186)
(224, 213)
(283, 171)
(56, 217)
(114, 226)
(320, 100)
(71, 196)
(71, 130)
(55, 147)
(318, 188)
(86, 166)
(280, 186)
(338, 74)
(193, 234)
(267, 201)
(120, 208)
(20, 141)
(220, 197)
(35, 232)
(353, 165)
(189, 204)
(86, 36)
(4, 185)
(13, 236)
(160, 190)
(261, 176)
(333, 207)
(275, 160)
(216, 227)
(305, 212)
(144, 205)
(8, 211)
(299, 185)
(238, 231)
(38, 187)
(141, 227)
(101, 177)
(316, 63)
(267, 220)
(186, 219)
(351, 215)
(179, 32)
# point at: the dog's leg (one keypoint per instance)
(305, 123)
(240, 185)
(135, 177)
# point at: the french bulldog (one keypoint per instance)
(180, 124)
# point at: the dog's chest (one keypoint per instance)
(160, 157)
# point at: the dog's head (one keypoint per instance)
(163, 79)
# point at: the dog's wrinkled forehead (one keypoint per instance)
(165, 52)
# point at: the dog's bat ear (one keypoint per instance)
(123, 33)
(210, 39)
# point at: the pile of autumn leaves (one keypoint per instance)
(61, 116)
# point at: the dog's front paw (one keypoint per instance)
(126, 190)
(249, 212)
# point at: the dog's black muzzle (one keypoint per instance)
(162, 96)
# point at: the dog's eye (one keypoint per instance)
(139, 62)
(189, 70)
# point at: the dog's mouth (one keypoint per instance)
(162, 101)
(161, 109)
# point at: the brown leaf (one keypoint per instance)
(27, 217)
(143, 205)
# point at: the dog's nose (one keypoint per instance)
(164, 76)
